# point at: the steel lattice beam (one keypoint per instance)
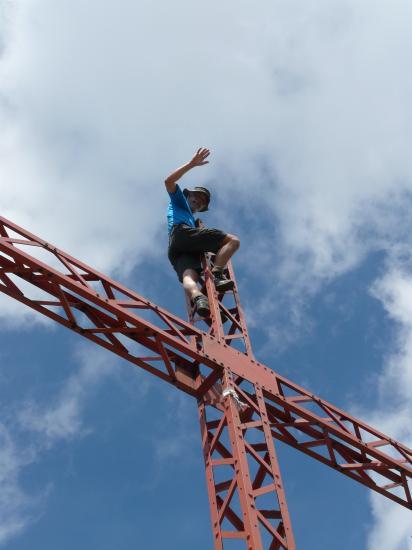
(246, 495)
(197, 361)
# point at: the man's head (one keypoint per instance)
(198, 198)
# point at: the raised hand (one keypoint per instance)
(198, 160)
(200, 157)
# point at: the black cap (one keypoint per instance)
(199, 190)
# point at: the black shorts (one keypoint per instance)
(186, 244)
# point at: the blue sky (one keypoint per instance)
(306, 109)
(135, 463)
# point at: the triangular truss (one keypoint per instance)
(243, 405)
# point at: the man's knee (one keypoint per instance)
(233, 240)
(190, 275)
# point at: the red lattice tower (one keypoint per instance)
(243, 405)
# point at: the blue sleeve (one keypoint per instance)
(178, 198)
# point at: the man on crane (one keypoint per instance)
(187, 241)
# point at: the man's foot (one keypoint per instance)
(221, 282)
(201, 305)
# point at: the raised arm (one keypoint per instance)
(198, 160)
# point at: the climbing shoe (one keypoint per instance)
(201, 305)
(221, 282)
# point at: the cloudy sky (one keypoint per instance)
(306, 107)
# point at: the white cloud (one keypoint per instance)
(98, 108)
(62, 419)
(33, 429)
(392, 527)
(15, 505)
(304, 104)
(99, 103)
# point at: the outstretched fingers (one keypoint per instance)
(200, 157)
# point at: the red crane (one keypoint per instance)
(243, 405)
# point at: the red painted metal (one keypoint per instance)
(246, 495)
(204, 363)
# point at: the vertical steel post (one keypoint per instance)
(239, 453)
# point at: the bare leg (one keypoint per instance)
(190, 279)
(200, 302)
(230, 244)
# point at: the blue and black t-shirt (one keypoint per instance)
(179, 210)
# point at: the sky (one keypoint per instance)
(305, 106)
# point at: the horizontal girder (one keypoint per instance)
(117, 318)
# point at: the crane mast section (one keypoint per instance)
(120, 320)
